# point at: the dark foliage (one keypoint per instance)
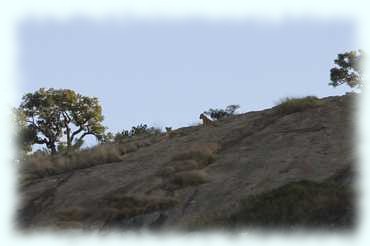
(347, 69)
(218, 114)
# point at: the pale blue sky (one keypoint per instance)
(166, 72)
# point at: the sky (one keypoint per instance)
(166, 72)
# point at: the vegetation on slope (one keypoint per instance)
(292, 105)
(296, 205)
(49, 116)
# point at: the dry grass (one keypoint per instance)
(178, 166)
(180, 180)
(40, 165)
(203, 154)
(292, 105)
(172, 134)
(189, 178)
(185, 168)
(185, 165)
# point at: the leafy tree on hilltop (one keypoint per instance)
(347, 69)
(51, 114)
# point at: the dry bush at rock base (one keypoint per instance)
(292, 105)
(165, 171)
(98, 155)
(185, 165)
(189, 178)
(32, 163)
(41, 165)
(126, 148)
(178, 166)
(37, 166)
(184, 179)
(172, 134)
(201, 157)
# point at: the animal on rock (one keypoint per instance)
(206, 121)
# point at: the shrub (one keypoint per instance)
(107, 137)
(189, 178)
(37, 165)
(329, 204)
(185, 165)
(121, 136)
(174, 180)
(178, 166)
(292, 105)
(202, 154)
(138, 130)
(303, 203)
(203, 157)
(105, 153)
(218, 114)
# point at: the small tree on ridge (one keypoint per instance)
(348, 69)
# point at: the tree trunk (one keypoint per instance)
(53, 148)
(69, 139)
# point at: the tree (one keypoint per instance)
(107, 138)
(52, 114)
(230, 110)
(24, 134)
(348, 69)
(218, 114)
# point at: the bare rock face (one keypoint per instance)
(205, 176)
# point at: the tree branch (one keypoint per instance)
(82, 127)
(85, 134)
(41, 141)
(66, 117)
(76, 132)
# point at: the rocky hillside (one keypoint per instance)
(284, 166)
